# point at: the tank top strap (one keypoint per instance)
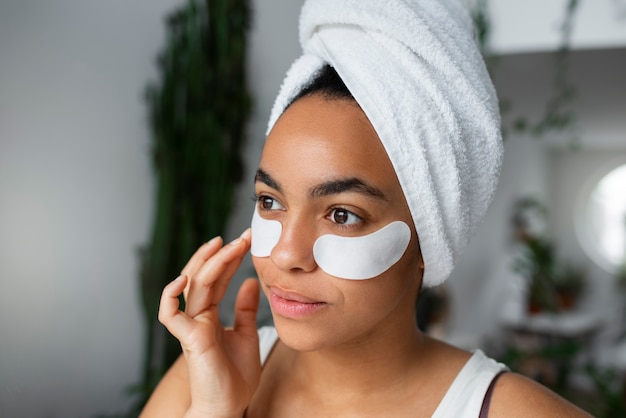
(466, 394)
(267, 339)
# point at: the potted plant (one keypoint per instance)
(536, 264)
(569, 283)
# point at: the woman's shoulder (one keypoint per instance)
(517, 395)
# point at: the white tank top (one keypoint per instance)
(464, 397)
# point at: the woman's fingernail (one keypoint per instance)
(212, 240)
(179, 278)
(245, 234)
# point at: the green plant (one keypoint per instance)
(569, 281)
(553, 284)
(554, 364)
(550, 364)
(537, 263)
(610, 389)
(198, 113)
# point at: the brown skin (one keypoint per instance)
(361, 354)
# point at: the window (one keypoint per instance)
(601, 225)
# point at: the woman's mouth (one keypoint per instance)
(291, 304)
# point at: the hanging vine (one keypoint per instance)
(558, 114)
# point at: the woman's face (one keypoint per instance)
(324, 171)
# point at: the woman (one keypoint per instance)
(382, 156)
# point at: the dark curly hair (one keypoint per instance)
(326, 83)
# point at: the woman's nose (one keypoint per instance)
(294, 250)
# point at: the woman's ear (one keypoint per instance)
(420, 264)
(421, 258)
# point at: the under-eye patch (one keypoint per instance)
(265, 235)
(352, 258)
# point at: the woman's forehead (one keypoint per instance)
(328, 138)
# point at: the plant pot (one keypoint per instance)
(533, 307)
(565, 300)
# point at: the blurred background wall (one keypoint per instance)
(76, 184)
(75, 200)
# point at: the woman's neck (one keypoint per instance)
(380, 361)
(389, 372)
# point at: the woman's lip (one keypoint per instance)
(291, 295)
(293, 305)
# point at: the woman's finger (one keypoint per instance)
(222, 283)
(206, 287)
(246, 308)
(176, 321)
(202, 254)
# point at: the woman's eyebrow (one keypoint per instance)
(346, 185)
(327, 188)
(264, 177)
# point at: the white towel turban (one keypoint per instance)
(417, 73)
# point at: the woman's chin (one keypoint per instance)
(302, 337)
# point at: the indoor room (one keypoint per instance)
(86, 230)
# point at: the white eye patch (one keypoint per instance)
(265, 235)
(351, 258)
(360, 258)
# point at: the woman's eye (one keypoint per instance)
(344, 217)
(268, 203)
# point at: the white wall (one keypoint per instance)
(517, 26)
(75, 193)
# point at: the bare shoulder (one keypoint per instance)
(518, 396)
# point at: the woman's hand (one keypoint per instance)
(223, 364)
